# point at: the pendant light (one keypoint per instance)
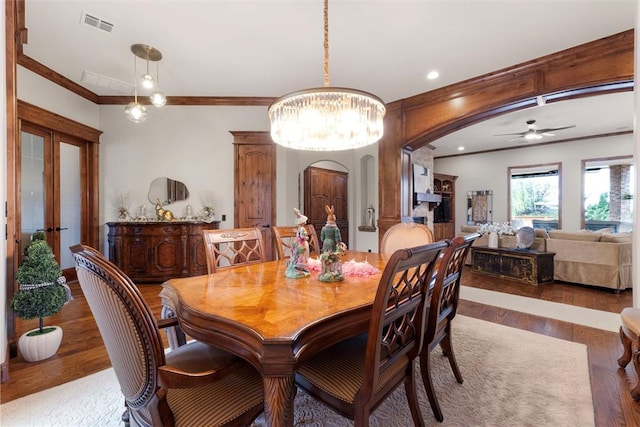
(158, 98)
(327, 118)
(135, 111)
(146, 80)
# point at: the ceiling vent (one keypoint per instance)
(107, 82)
(95, 22)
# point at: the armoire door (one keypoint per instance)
(326, 187)
(254, 183)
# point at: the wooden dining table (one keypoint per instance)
(272, 321)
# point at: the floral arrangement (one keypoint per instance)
(501, 229)
(122, 202)
(349, 268)
(207, 201)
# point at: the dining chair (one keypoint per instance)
(630, 339)
(195, 384)
(284, 236)
(354, 376)
(233, 247)
(443, 304)
(405, 235)
(223, 248)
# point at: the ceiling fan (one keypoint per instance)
(533, 133)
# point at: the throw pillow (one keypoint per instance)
(625, 237)
(585, 236)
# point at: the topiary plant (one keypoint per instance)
(42, 292)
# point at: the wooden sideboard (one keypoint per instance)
(156, 251)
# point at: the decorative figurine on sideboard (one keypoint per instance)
(332, 248)
(297, 266)
(163, 214)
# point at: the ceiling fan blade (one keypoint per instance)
(507, 134)
(554, 129)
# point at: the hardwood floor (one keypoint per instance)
(83, 353)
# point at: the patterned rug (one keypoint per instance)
(511, 378)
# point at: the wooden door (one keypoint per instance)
(254, 183)
(326, 187)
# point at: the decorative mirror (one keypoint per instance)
(479, 207)
(167, 191)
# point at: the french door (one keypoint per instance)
(51, 190)
(53, 186)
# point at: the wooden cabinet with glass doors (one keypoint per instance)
(444, 218)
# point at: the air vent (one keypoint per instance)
(95, 22)
(107, 82)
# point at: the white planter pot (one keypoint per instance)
(40, 347)
(493, 240)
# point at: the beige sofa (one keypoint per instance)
(592, 258)
(504, 241)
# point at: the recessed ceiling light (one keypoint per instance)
(433, 75)
(460, 148)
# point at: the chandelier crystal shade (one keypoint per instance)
(327, 118)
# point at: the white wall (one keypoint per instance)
(489, 172)
(189, 144)
(194, 145)
(39, 91)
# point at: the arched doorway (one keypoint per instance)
(603, 66)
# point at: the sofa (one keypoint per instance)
(595, 258)
(599, 258)
(504, 241)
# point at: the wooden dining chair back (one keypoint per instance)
(405, 235)
(443, 305)
(354, 376)
(193, 383)
(284, 236)
(233, 247)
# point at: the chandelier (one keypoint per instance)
(135, 111)
(327, 118)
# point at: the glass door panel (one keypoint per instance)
(70, 221)
(33, 191)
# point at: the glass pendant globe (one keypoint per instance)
(158, 99)
(136, 112)
(147, 81)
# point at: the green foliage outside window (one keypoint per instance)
(599, 211)
(532, 197)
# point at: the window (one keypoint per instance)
(607, 191)
(534, 196)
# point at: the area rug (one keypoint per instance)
(565, 312)
(511, 378)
